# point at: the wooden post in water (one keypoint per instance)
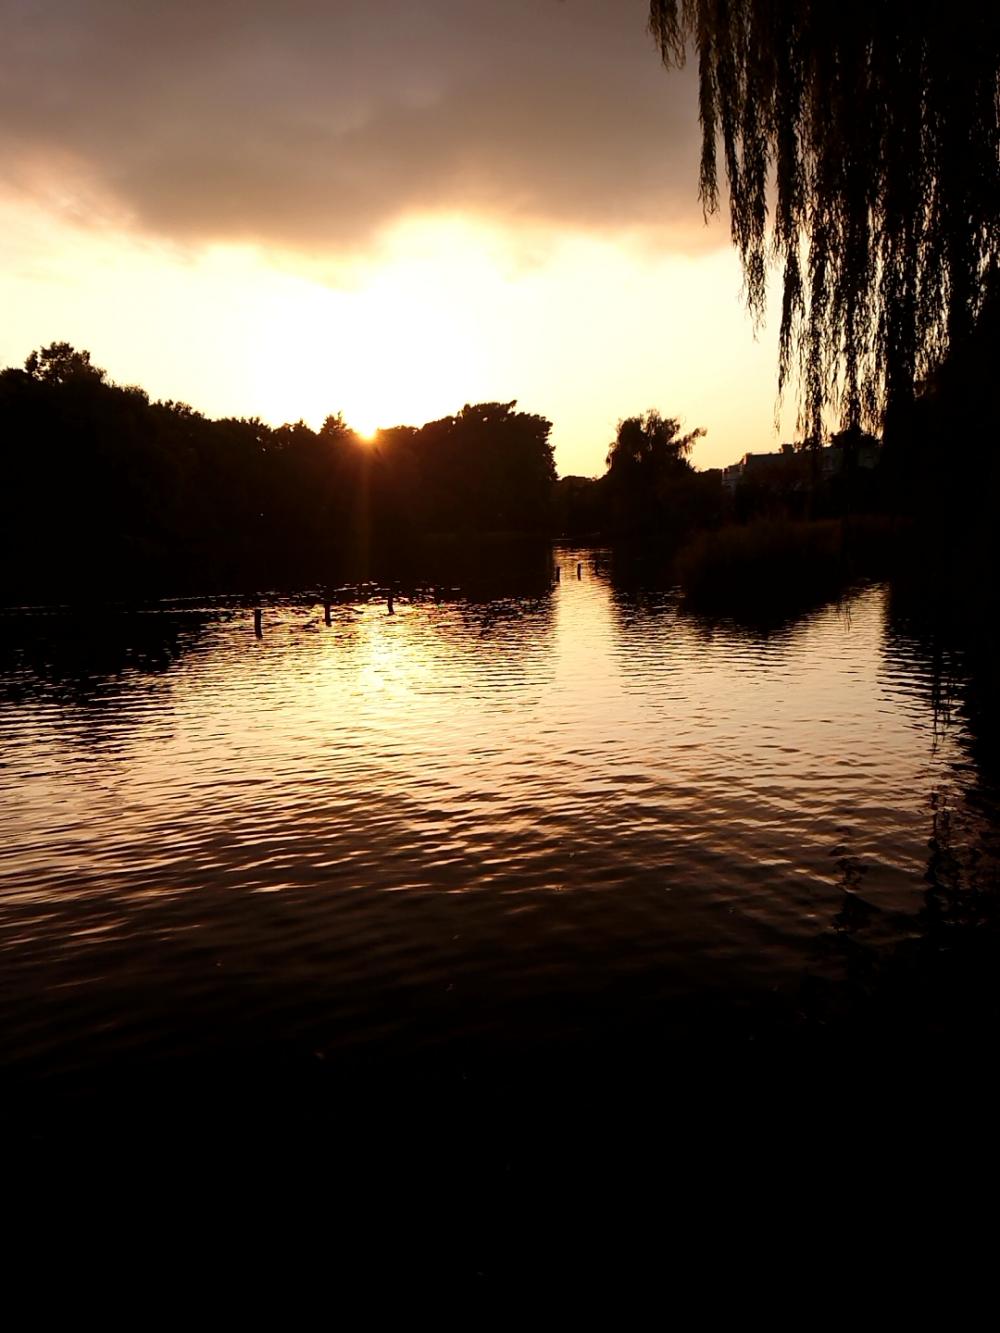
(579, 571)
(558, 573)
(258, 627)
(326, 613)
(389, 602)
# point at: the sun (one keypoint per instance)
(393, 343)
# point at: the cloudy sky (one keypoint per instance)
(384, 207)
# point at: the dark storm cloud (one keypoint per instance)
(315, 122)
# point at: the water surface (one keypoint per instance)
(463, 833)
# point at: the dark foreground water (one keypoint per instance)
(479, 848)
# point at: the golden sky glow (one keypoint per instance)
(386, 210)
(581, 328)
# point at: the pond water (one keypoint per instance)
(466, 833)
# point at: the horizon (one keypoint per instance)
(443, 218)
(364, 435)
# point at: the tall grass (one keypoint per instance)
(781, 564)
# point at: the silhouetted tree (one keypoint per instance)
(580, 506)
(647, 470)
(60, 363)
(868, 132)
(957, 403)
(651, 444)
(489, 468)
(103, 490)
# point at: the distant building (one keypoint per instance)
(753, 465)
(789, 459)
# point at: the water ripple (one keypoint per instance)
(412, 827)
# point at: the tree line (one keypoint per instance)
(104, 489)
(650, 489)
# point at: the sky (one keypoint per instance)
(386, 208)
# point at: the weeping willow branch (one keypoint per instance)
(859, 143)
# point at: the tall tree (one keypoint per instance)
(648, 472)
(651, 443)
(860, 147)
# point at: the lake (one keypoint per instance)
(523, 833)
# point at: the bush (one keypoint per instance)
(770, 564)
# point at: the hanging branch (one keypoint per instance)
(860, 148)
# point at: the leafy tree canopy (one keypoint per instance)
(860, 148)
(650, 441)
(61, 363)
